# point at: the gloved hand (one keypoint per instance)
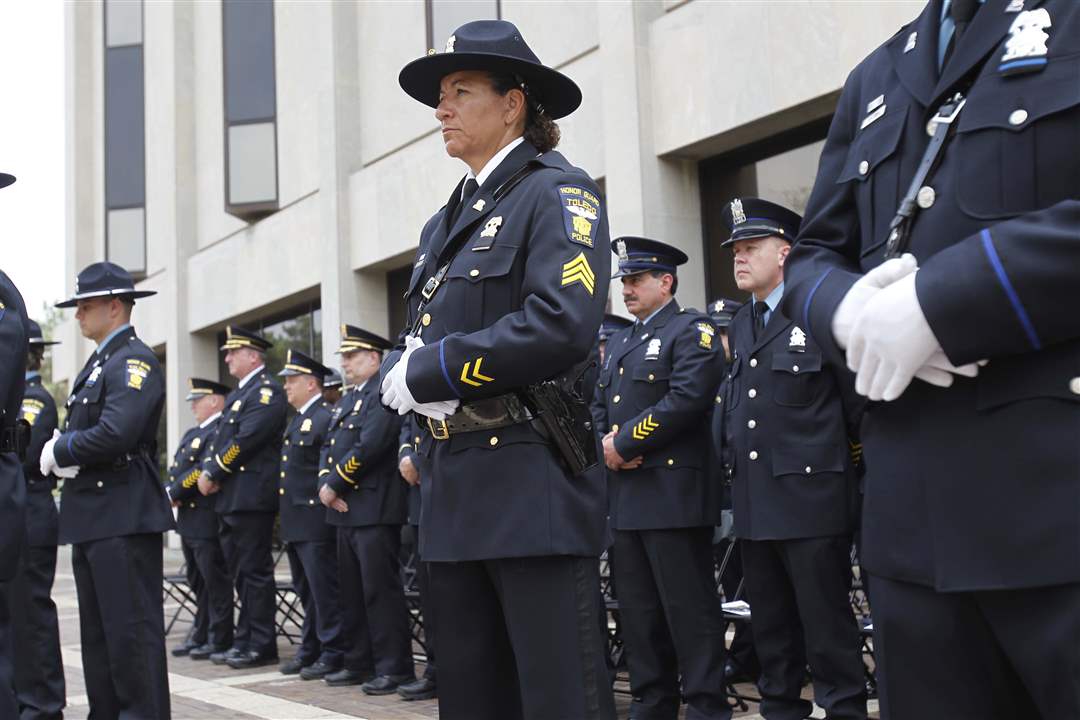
(439, 410)
(395, 390)
(865, 288)
(66, 472)
(891, 342)
(47, 463)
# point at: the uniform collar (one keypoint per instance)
(309, 403)
(250, 375)
(489, 167)
(109, 338)
(773, 298)
(33, 376)
(207, 422)
(657, 311)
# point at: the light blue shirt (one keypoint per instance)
(945, 33)
(31, 374)
(111, 335)
(772, 300)
(655, 312)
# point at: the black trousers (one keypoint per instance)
(519, 640)
(423, 586)
(9, 706)
(987, 655)
(798, 594)
(376, 618)
(39, 673)
(121, 624)
(245, 541)
(314, 569)
(672, 623)
(741, 653)
(208, 577)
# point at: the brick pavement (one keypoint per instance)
(203, 691)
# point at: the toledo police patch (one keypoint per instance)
(581, 213)
(137, 372)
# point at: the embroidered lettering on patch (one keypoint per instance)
(581, 213)
(137, 372)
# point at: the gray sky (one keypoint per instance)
(32, 148)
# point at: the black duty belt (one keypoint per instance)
(15, 438)
(476, 415)
(942, 124)
(124, 460)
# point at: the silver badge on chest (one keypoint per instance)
(1025, 49)
(652, 350)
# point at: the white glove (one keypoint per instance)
(865, 288)
(66, 472)
(439, 410)
(395, 390)
(47, 463)
(892, 342)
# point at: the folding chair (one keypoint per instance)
(175, 587)
(290, 611)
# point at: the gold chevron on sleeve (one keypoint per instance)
(470, 373)
(344, 477)
(579, 270)
(192, 478)
(644, 428)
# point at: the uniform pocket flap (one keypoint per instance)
(1015, 103)
(809, 460)
(872, 146)
(651, 374)
(477, 266)
(795, 363)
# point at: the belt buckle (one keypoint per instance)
(957, 102)
(429, 287)
(439, 429)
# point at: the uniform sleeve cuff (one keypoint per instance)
(63, 453)
(428, 375)
(817, 312)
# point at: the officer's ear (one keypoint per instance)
(782, 251)
(514, 107)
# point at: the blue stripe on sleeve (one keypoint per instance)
(810, 299)
(71, 450)
(442, 364)
(1010, 291)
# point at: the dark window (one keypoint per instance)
(397, 284)
(125, 137)
(251, 183)
(780, 169)
(299, 328)
(446, 16)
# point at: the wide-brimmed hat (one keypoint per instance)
(103, 279)
(496, 46)
(36, 338)
(6, 180)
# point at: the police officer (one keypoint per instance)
(14, 331)
(197, 524)
(113, 506)
(366, 501)
(721, 312)
(970, 488)
(311, 541)
(244, 467)
(610, 325)
(424, 687)
(794, 487)
(332, 389)
(513, 276)
(39, 675)
(654, 390)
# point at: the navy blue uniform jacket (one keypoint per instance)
(303, 517)
(521, 303)
(14, 331)
(196, 517)
(247, 447)
(975, 486)
(654, 390)
(111, 434)
(42, 519)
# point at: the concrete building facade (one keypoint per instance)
(255, 162)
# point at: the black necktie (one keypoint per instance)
(760, 308)
(962, 11)
(471, 186)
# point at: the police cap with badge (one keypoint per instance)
(333, 380)
(36, 338)
(354, 338)
(297, 363)
(638, 255)
(104, 279)
(237, 338)
(752, 217)
(201, 387)
(722, 311)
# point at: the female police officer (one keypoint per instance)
(508, 290)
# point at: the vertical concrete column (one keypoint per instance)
(646, 195)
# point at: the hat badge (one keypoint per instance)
(737, 215)
(450, 44)
(620, 248)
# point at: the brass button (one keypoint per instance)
(286, 441)
(671, 461)
(284, 458)
(426, 320)
(651, 376)
(1018, 117)
(620, 371)
(616, 399)
(474, 272)
(864, 167)
(753, 362)
(1074, 386)
(242, 468)
(719, 399)
(192, 505)
(753, 454)
(925, 197)
(281, 491)
(751, 393)
(416, 439)
(282, 473)
(329, 459)
(493, 441)
(752, 424)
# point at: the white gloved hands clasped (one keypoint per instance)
(47, 463)
(865, 288)
(396, 393)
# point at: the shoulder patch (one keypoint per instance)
(31, 408)
(581, 213)
(137, 372)
(705, 335)
(265, 393)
